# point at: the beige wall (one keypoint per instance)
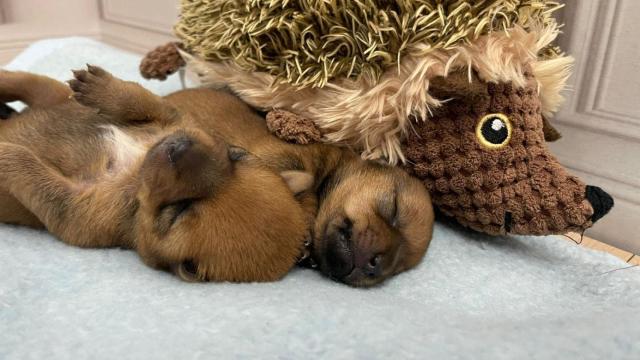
(24, 21)
(601, 119)
(135, 25)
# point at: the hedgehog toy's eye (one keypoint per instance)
(494, 131)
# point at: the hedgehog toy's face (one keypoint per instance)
(482, 155)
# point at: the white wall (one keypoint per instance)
(138, 25)
(24, 21)
(135, 25)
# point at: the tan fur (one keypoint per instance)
(375, 116)
(390, 211)
(103, 176)
(345, 186)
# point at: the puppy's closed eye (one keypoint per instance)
(237, 153)
(169, 214)
(182, 206)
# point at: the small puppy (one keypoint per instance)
(371, 221)
(139, 174)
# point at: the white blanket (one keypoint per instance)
(473, 297)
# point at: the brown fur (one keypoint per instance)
(59, 171)
(388, 212)
(518, 188)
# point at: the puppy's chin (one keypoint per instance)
(358, 279)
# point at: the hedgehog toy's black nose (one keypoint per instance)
(600, 201)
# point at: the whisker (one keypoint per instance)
(572, 239)
(614, 270)
(606, 272)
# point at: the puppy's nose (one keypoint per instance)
(600, 201)
(176, 147)
(339, 257)
(372, 266)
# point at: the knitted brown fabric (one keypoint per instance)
(161, 62)
(293, 128)
(518, 188)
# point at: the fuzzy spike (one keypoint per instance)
(331, 39)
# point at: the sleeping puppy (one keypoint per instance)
(139, 174)
(374, 221)
(371, 221)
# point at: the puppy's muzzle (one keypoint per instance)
(176, 146)
(345, 260)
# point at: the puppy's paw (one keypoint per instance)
(7, 91)
(93, 87)
(5, 74)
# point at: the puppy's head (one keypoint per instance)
(374, 221)
(210, 211)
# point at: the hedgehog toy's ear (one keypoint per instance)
(459, 82)
(550, 133)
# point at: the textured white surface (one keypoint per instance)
(472, 297)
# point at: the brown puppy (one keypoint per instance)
(371, 221)
(138, 174)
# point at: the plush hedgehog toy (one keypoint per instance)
(458, 92)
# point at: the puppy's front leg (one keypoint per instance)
(122, 101)
(59, 203)
(37, 91)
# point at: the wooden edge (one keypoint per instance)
(597, 245)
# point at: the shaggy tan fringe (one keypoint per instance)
(375, 116)
(308, 43)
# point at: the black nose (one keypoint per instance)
(176, 147)
(373, 268)
(600, 201)
(339, 253)
(339, 259)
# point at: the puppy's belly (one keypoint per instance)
(123, 149)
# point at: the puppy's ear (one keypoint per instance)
(298, 181)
